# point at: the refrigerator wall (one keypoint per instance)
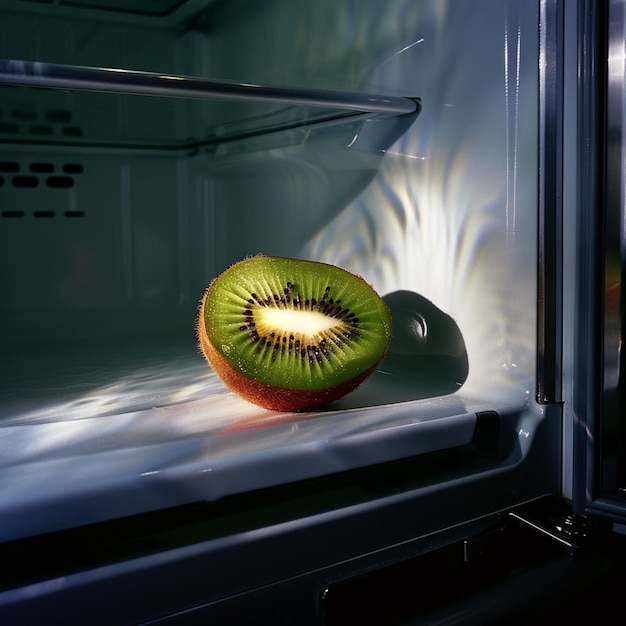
(118, 210)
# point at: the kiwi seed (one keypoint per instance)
(290, 334)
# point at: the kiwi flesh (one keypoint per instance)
(290, 334)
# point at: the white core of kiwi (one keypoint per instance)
(306, 324)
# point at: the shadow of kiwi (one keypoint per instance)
(427, 356)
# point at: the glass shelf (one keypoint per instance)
(54, 104)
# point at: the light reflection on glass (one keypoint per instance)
(451, 213)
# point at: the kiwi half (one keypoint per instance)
(288, 334)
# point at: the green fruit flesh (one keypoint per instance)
(296, 324)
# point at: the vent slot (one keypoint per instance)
(41, 129)
(59, 116)
(42, 124)
(60, 182)
(17, 214)
(73, 168)
(72, 131)
(24, 115)
(16, 176)
(41, 168)
(25, 181)
(38, 170)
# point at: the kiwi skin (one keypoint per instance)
(268, 396)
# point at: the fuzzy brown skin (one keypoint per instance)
(268, 396)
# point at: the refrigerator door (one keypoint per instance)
(594, 396)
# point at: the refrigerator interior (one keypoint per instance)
(117, 210)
